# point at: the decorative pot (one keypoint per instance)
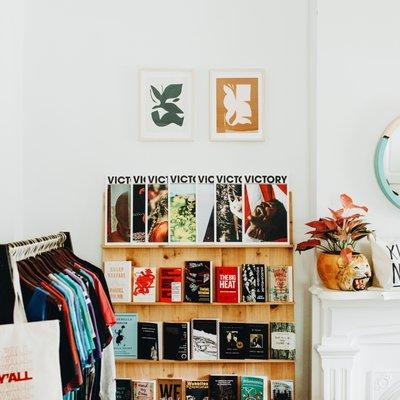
(336, 274)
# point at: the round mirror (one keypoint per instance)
(387, 162)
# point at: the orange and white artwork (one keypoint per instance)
(237, 105)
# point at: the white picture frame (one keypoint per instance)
(166, 105)
(243, 91)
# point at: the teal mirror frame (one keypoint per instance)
(379, 163)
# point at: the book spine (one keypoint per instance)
(160, 340)
(290, 283)
(211, 282)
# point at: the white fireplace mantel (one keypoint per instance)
(355, 344)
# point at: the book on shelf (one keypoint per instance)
(169, 389)
(223, 387)
(123, 389)
(232, 340)
(283, 340)
(253, 387)
(257, 341)
(125, 335)
(176, 341)
(196, 390)
(118, 275)
(144, 284)
(282, 389)
(170, 284)
(149, 340)
(253, 283)
(197, 281)
(280, 283)
(204, 339)
(144, 390)
(226, 284)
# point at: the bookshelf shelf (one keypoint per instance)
(173, 255)
(247, 361)
(197, 245)
(160, 304)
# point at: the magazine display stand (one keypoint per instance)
(171, 255)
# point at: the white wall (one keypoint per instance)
(11, 118)
(358, 81)
(80, 107)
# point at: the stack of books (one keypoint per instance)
(202, 339)
(217, 387)
(199, 282)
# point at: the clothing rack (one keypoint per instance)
(35, 245)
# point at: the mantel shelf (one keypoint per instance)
(372, 293)
(220, 361)
(158, 304)
(276, 245)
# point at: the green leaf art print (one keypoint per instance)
(166, 111)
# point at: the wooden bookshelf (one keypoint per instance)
(172, 255)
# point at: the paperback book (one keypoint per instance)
(123, 389)
(204, 339)
(280, 283)
(118, 275)
(257, 341)
(157, 212)
(229, 215)
(223, 387)
(197, 281)
(144, 390)
(226, 284)
(232, 340)
(118, 213)
(138, 213)
(170, 284)
(253, 283)
(148, 341)
(144, 285)
(196, 390)
(282, 390)
(125, 335)
(182, 223)
(205, 212)
(253, 387)
(266, 213)
(169, 389)
(176, 341)
(283, 341)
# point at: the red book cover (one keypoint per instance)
(226, 284)
(170, 281)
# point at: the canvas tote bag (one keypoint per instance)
(29, 352)
(386, 262)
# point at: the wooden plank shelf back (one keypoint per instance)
(171, 255)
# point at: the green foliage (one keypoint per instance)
(183, 218)
(171, 92)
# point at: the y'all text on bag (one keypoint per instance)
(15, 377)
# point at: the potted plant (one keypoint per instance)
(338, 265)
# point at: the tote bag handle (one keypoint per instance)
(19, 310)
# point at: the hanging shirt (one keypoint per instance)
(78, 335)
(85, 288)
(88, 327)
(38, 304)
(106, 307)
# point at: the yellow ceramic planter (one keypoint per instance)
(337, 275)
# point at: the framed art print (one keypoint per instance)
(237, 105)
(166, 105)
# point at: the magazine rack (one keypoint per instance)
(168, 255)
